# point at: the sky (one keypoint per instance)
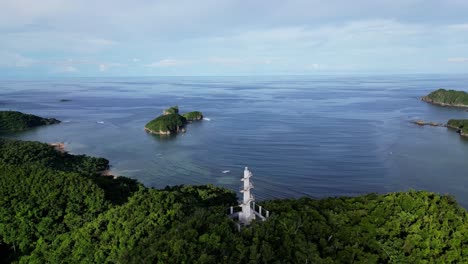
(55, 38)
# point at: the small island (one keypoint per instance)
(461, 125)
(13, 121)
(171, 122)
(193, 116)
(444, 97)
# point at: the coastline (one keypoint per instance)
(58, 146)
(461, 132)
(424, 123)
(428, 100)
(165, 133)
(435, 124)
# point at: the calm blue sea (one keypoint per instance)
(301, 136)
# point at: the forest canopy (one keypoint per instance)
(447, 97)
(461, 124)
(13, 121)
(56, 208)
(171, 122)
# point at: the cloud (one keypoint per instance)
(313, 66)
(457, 60)
(213, 36)
(100, 42)
(67, 69)
(461, 27)
(9, 59)
(230, 61)
(169, 63)
(106, 66)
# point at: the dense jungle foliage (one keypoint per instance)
(35, 154)
(12, 121)
(171, 124)
(53, 209)
(171, 110)
(459, 123)
(448, 97)
(193, 116)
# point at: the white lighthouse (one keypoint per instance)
(248, 209)
(247, 213)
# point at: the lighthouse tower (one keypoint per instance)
(247, 214)
(249, 210)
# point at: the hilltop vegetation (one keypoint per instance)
(193, 116)
(12, 121)
(54, 209)
(171, 122)
(461, 124)
(447, 98)
(15, 153)
(166, 124)
(171, 110)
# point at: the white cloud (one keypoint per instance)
(230, 61)
(67, 69)
(313, 66)
(229, 35)
(106, 66)
(169, 63)
(100, 42)
(457, 60)
(10, 59)
(461, 27)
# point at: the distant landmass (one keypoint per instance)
(460, 124)
(447, 98)
(171, 122)
(13, 121)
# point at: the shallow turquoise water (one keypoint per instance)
(301, 136)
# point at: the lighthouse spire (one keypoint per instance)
(247, 214)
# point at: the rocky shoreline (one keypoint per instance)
(435, 124)
(458, 130)
(426, 123)
(429, 100)
(58, 146)
(166, 133)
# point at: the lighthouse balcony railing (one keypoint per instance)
(259, 211)
(246, 189)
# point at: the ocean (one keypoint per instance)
(315, 136)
